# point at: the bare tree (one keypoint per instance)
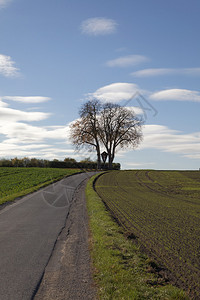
(120, 128)
(85, 131)
(110, 126)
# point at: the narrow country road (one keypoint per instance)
(29, 230)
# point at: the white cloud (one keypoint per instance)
(126, 61)
(19, 138)
(193, 156)
(4, 3)
(98, 26)
(11, 148)
(135, 109)
(116, 92)
(27, 133)
(3, 104)
(166, 71)
(23, 133)
(135, 165)
(9, 115)
(192, 71)
(30, 99)
(7, 66)
(168, 140)
(12, 126)
(15, 131)
(177, 94)
(152, 72)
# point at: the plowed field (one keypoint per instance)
(162, 210)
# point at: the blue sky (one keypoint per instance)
(56, 54)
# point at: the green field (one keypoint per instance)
(16, 182)
(162, 211)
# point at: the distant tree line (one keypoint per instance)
(68, 162)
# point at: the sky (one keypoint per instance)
(144, 54)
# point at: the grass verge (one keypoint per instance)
(121, 271)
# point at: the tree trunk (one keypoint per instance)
(98, 161)
(111, 156)
(110, 160)
(98, 157)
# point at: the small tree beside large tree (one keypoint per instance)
(106, 126)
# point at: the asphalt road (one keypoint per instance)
(29, 230)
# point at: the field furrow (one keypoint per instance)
(161, 209)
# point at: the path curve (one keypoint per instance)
(29, 230)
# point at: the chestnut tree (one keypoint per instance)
(106, 126)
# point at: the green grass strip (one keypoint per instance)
(121, 271)
(28, 180)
